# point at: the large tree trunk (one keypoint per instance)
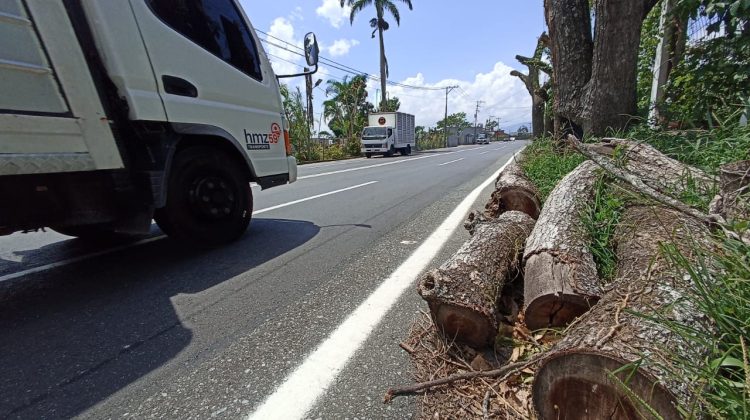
(595, 80)
(560, 279)
(657, 170)
(537, 116)
(571, 48)
(575, 380)
(463, 292)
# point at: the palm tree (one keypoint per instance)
(379, 25)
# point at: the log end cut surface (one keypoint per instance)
(580, 386)
(516, 199)
(554, 311)
(456, 321)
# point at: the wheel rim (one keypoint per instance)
(212, 197)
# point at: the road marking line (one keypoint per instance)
(487, 151)
(302, 388)
(370, 166)
(50, 266)
(451, 161)
(301, 200)
(84, 257)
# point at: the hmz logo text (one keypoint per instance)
(262, 141)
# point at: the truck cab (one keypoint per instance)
(117, 112)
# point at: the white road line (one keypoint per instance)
(80, 258)
(77, 259)
(450, 161)
(486, 151)
(370, 166)
(311, 198)
(301, 389)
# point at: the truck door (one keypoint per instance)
(211, 70)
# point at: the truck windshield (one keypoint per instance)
(373, 133)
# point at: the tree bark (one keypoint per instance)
(577, 376)
(560, 279)
(571, 48)
(656, 169)
(513, 191)
(595, 78)
(462, 293)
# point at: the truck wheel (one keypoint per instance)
(406, 151)
(209, 201)
(368, 155)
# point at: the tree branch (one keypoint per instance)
(505, 371)
(637, 183)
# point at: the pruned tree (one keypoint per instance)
(595, 75)
(536, 65)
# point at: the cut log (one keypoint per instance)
(462, 293)
(560, 279)
(656, 169)
(513, 191)
(576, 380)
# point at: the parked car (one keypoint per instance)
(482, 139)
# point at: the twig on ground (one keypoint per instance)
(505, 371)
(486, 405)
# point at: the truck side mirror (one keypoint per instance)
(311, 49)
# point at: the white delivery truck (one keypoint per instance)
(387, 133)
(117, 112)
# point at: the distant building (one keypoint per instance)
(466, 135)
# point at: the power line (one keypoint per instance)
(337, 65)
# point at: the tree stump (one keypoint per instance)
(462, 293)
(576, 379)
(656, 169)
(560, 279)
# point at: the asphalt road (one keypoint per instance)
(156, 329)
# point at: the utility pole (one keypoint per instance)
(309, 91)
(448, 90)
(476, 113)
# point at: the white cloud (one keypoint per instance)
(333, 12)
(296, 14)
(341, 47)
(503, 96)
(284, 58)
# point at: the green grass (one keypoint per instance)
(600, 220)
(701, 148)
(545, 166)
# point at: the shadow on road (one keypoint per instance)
(86, 331)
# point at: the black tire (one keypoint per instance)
(390, 152)
(209, 201)
(368, 155)
(406, 151)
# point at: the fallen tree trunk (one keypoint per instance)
(513, 191)
(462, 293)
(579, 374)
(560, 279)
(654, 168)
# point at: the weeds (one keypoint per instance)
(600, 220)
(544, 165)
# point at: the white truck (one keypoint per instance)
(117, 112)
(387, 133)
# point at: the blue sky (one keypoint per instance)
(471, 44)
